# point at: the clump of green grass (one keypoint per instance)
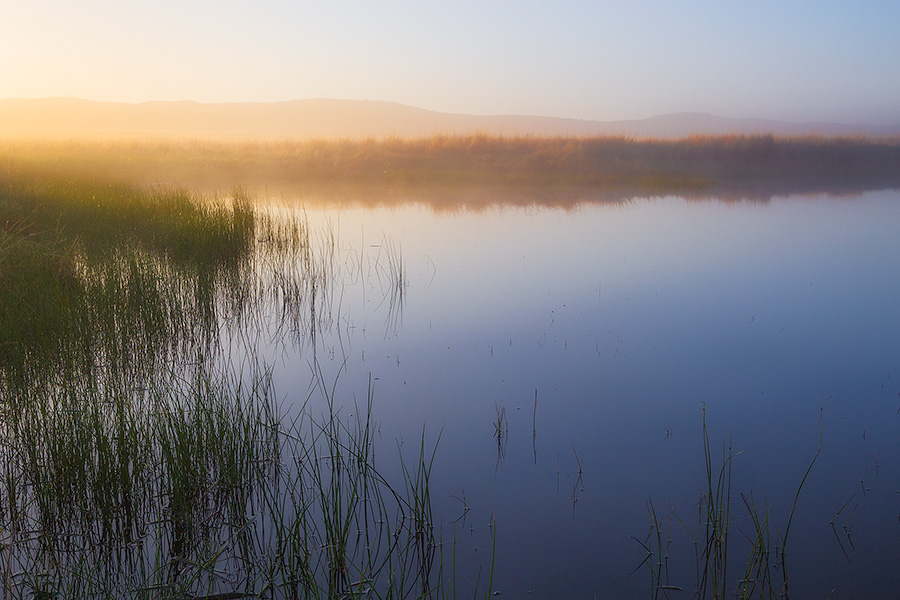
(102, 274)
(40, 290)
(104, 215)
(78, 260)
(765, 573)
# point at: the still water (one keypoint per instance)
(593, 337)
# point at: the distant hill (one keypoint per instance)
(323, 118)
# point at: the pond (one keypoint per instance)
(568, 359)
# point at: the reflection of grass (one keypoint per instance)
(639, 166)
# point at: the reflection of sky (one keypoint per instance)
(626, 319)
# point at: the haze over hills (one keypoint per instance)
(325, 118)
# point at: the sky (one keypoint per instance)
(798, 60)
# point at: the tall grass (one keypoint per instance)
(108, 275)
(349, 532)
(85, 266)
(765, 572)
(198, 486)
(103, 215)
(139, 460)
(128, 482)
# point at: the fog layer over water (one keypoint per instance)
(592, 338)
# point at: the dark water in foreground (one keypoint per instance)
(782, 318)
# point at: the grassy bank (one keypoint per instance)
(610, 165)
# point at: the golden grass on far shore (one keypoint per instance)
(611, 165)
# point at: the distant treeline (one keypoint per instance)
(618, 166)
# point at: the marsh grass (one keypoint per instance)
(110, 275)
(297, 270)
(390, 272)
(198, 486)
(765, 572)
(501, 432)
(114, 489)
(540, 168)
(84, 266)
(139, 459)
(104, 215)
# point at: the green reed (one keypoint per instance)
(765, 573)
(139, 459)
(85, 264)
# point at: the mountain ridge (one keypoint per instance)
(337, 118)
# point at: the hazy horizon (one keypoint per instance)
(376, 101)
(333, 118)
(802, 62)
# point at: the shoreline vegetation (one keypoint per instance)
(145, 450)
(476, 169)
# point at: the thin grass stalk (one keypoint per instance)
(787, 527)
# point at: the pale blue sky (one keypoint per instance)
(835, 61)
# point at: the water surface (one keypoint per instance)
(623, 320)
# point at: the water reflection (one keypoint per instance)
(627, 318)
(481, 198)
